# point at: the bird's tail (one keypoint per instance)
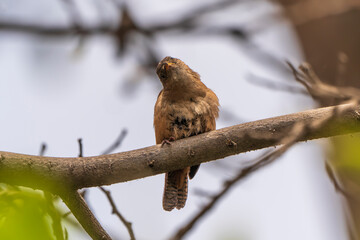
(176, 189)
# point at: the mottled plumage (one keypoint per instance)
(185, 107)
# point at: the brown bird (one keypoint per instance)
(185, 107)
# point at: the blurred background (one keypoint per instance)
(73, 69)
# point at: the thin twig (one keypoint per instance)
(259, 163)
(116, 212)
(261, 81)
(349, 218)
(80, 147)
(319, 89)
(80, 201)
(331, 174)
(84, 191)
(117, 142)
(42, 149)
(184, 23)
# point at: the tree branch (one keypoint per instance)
(56, 31)
(79, 208)
(264, 160)
(51, 172)
(307, 11)
(299, 130)
(115, 211)
(107, 193)
(83, 214)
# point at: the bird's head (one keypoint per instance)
(174, 74)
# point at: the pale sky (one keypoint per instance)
(51, 93)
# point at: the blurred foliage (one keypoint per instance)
(346, 159)
(29, 214)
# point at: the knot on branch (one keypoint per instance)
(191, 153)
(151, 163)
(230, 143)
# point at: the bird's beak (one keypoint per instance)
(167, 65)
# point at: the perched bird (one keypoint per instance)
(185, 107)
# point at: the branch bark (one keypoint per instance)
(49, 173)
(83, 214)
(269, 157)
(307, 11)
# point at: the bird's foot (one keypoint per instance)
(167, 141)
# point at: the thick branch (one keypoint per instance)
(307, 11)
(269, 157)
(50, 172)
(83, 214)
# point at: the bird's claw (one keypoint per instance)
(167, 141)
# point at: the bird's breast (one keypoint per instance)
(185, 119)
